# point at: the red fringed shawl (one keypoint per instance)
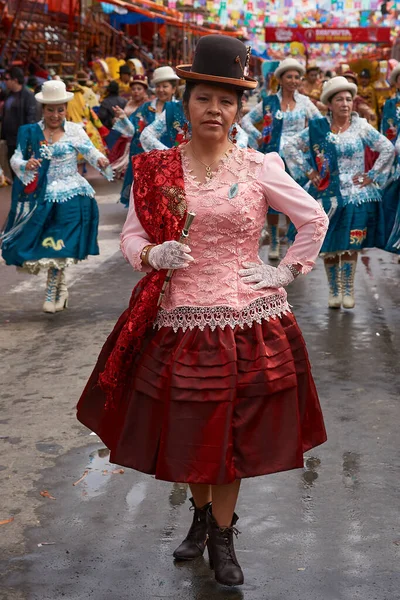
(160, 205)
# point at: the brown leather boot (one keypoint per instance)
(222, 552)
(195, 542)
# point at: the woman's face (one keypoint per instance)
(54, 115)
(290, 81)
(341, 104)
(165, 91)
(212, 110)
(139, 93)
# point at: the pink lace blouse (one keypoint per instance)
(230, 213)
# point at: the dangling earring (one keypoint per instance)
(233, 135)
(186, 131)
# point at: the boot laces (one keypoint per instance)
(347, 272)
(51, 288)
(228, 547)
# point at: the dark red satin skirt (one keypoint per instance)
(212, 407)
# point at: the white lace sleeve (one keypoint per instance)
(297, 155)
(248, 121)
(242, 139)
(84, 146)
(312, 110)
(150, 136)
(379, 143)
(18, 165)
(124, 126)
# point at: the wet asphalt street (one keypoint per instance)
(328, 532)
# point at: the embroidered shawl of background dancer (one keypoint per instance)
(27, 196)
(324, 160)
(391, 118)
(272, 124)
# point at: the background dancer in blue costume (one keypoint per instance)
(53, 219)
(390, 125)
(165, 82)
(391, 206)
(330, 154)
(281, 116)
(123, 147)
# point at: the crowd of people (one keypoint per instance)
(343, 152)
(205, 378)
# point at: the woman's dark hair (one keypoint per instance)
(17, 74)
(113, 88)
(190, 85)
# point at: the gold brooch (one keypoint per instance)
(176, 200)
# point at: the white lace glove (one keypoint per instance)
(170, 255)
(267, 276)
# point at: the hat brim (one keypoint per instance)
(185, 73)
(68, 96)
(350, 87)
(281, 70)
(145, 85)
(394, 75)
(162, 79)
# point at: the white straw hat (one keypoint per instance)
(394, 74)
(289, 64)
(164, 74)
(334, 86)
(54, 92)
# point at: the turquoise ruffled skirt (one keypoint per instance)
(65, 230)
(353, 227)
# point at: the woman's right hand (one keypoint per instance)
(118, 112)
(33, 164)
(170, 255)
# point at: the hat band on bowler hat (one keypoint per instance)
(220, 60)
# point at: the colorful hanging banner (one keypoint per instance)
(315, 35)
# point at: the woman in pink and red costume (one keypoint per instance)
(215, 385)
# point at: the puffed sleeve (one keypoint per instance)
(297, 154)
(284, 195)
(83, 144)
(249, 121)
(312, 110)
(133, 238)
(18, 162)
(151, 135)
(379, 143)
(242, 139)
(124, 126)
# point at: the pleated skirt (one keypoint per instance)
(211, 406)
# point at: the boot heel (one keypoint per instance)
(194, 544)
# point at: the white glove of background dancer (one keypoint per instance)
(170, 255)
(267, 276)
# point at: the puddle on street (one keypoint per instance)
(99, 473)
(136, 495)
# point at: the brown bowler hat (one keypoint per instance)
(219, 59)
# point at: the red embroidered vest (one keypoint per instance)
(159, 196)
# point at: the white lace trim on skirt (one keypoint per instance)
(189, 317)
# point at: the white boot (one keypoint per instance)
(348, 273)
(53, 276)
(335, 286)
(62, 293)
(273, 252)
